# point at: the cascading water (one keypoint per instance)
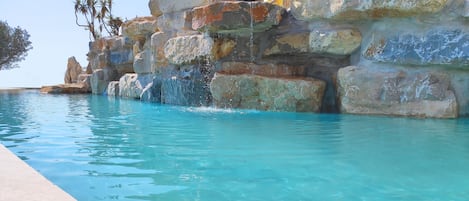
(251, 36)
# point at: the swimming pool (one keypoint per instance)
(99, 148)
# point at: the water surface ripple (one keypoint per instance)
(98, 148)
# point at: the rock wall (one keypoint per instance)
(404, 58)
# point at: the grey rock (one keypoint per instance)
(392, 91)
(437, 47)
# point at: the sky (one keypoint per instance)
(55, 37)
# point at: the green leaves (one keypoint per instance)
(14, 45)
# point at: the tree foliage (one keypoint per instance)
(97, 16)
(14, 45)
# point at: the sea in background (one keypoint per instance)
(101, 148)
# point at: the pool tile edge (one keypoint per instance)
(19, 181)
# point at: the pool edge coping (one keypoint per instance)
(19, 181)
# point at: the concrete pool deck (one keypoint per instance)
(20, 182)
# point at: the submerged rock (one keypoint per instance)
(392, 91)
(294, 94)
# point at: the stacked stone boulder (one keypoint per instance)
(404, 58)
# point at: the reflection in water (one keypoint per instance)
(113, 149)
(15, 119)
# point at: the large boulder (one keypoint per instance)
(435, 47)
(188, 49)
(142, 62)
(321, 41)
(157, 45)
(131, 85)
(140, 28)
(394, 91)
(294, 94)
(74, 69)
(359, 9)
(236, 17)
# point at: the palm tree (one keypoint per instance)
(99, 12)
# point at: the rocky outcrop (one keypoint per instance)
(74, 69)
(398, 58)
(393, 91)
(266, 93)
(70, 88)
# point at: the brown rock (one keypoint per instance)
(75, 88)
(74, 69)
(140, 28)
(240, 17)
(272, 70)
(222, 48)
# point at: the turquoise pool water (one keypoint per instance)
(98, 148)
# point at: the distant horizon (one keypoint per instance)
(55, 37)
